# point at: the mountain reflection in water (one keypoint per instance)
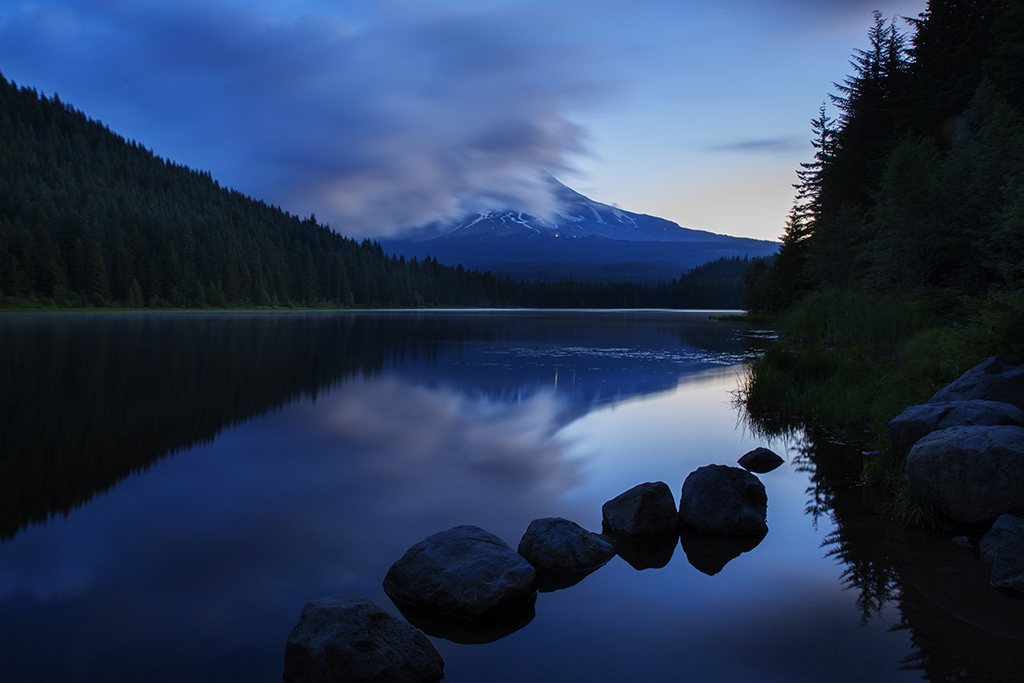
(176, 486)
(90, 399)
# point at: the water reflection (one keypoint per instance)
(646, 552)
(710, 554)
(435, 454)
(90, 399)
(469, 631)
(960, 627)
(310, 451)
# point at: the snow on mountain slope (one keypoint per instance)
(584, 239)
(577, 216)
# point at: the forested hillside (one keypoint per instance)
(902, 265)
(917, 184)
(90, 219)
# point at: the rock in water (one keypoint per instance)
(1002, 551)
(918, 421)
(465, 572)
(760, 460)
(348, 638)
(718, 499)
(553, 544)
(990, 380)
(644, 509)
(970, 474)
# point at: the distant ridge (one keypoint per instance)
(89, 220)
(583, 239)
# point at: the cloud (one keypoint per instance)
(391, 121)
(766, 145)
(846, 11)
(382, 114)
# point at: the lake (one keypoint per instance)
(176, 486)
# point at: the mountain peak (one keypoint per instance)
(582, 239)
(576, 216)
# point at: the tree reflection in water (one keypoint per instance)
(89, 399)
(961, 628)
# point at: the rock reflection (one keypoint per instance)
(468, 631)
(652, 551)
(549, 582)
(961, 628)
(88, 400)
(709, 554)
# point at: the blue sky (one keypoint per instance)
(379, 115)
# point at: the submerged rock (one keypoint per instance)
(348, 638)
(990, 380)
(563, 552)
(1002, 551)
(970, 474)
(760, 460)
(465, 571)
(717, 499)
(918, 421)
(644, 509)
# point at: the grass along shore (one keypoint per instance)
(848, 362)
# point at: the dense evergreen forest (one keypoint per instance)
(917, 184)
(88, 219)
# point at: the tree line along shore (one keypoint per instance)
(91, 220)
(902, 263)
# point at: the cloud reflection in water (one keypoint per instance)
(217, 549)
(457, 459)
(197, 568)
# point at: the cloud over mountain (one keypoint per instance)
(394, 122)
(378, 115)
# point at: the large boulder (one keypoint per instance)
(465, 572)
(718, 499)
(644, 509)
(917, 421)
(553, 544)
(760, 460)
(970, 474)
(1002, 551)
(990, 380)
(348, 638)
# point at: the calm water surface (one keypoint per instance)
(175, 487)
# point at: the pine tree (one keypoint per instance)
(866, 101)
(807, 204)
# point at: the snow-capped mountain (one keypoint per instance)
(583, 239)
(577, 216)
